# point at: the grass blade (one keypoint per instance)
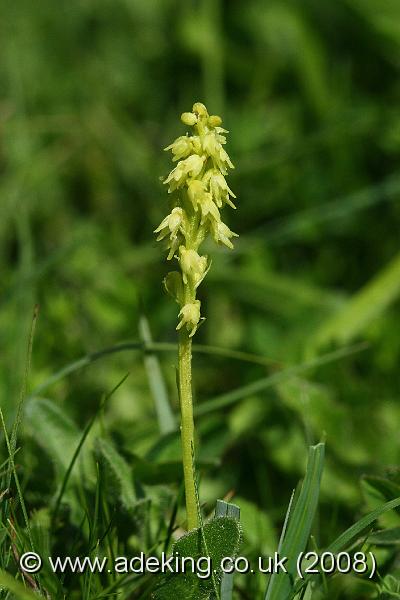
(275, 379)
(352, 533)
(79, 447)
(295, 225)
(299, 525)
(18, 417)
(88, 359)
(348, 537)
(8, 582)
(225, 509)
(165, 416)
(13, 472)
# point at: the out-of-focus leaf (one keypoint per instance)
(285, 30)
(166, 419)
(258, 529)
(120, 472)
(271, 381)
(57, 434)
(8, 582)
(385, 18)
(386, 537)
(153, 473)
(362, 308)
(380, 489)
(353, 532)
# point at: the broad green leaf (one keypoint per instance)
(120, 472)
(246, 415)
(56, 433)
(59, 437)
(300, 520)
(222, 536)
(21, 401)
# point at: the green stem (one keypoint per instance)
(187, 426)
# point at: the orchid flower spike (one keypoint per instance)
(199, 191)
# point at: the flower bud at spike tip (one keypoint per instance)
(198, 191)
(188, 118)
(214, 121)
(200, 109)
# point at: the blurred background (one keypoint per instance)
(91, 92)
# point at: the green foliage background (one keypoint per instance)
(90, 93)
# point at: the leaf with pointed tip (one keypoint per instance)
(299, 523)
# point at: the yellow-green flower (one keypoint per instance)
(190, 166)
(209, 209)
(190, 316)
(220, 189)
(192, 264)
(196, 192)
(171, 224)
(199, 191)
(181, 147)
(222, 234)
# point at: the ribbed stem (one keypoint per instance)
(187, 426)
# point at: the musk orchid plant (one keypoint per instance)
(198, 191)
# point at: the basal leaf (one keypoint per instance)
(222, 536)
(56, 433)
(119, 471)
